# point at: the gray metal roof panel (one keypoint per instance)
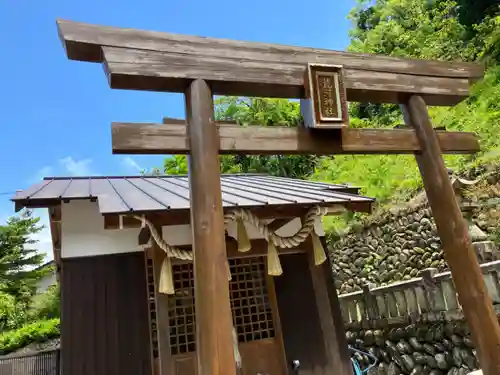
(117, 194)
(297, 190)
(107, 198)
(158, 193)
(32, 190)
(135, 198)
(77, 189)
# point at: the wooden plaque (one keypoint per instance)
(325, 105)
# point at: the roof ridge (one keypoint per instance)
(99, 177)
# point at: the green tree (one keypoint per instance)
(409, 28)
(248, 112)
(46, 305)
(19, 262)
(473, 12)
(12, 313)
(432, 29)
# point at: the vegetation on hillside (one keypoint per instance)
(433, 29)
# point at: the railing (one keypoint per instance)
(430, 297)
(45, 362)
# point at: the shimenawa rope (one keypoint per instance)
(240, 216)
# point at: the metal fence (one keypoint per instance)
(45, 362)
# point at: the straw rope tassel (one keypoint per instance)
(318, 249)
(273, 260)
(244, 244)
(228, 270)
(237, 356)
(166, 284)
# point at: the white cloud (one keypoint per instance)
(64, 167)
(41, 173)
(76, 167)
(131, 164)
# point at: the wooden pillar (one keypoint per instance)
(453, 231)
(214, 345)
(164, 365)
(330, 315)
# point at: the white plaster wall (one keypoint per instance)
(45, 282)
(83, 233)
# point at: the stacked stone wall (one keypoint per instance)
(397, 245)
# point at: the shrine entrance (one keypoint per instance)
(255, 318)
(325, 81)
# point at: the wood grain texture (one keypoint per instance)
(457, 247)
(300, 319)
(104, 315)
(282, 211)
(149, 60)
(171, 72)
(147, 138)
(83, 42)
(330, 316)
(215, 354)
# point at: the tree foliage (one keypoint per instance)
(39, 331)
(473, 12)
(19, 262)
(46, 305)
(422, 29)
(248, 112)
(12, 313)
(20, 271)
(428, 29)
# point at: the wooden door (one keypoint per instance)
(255, 318)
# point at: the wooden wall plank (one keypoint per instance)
(140, 138)
(296, 303)
(100, 333)
(329, 319)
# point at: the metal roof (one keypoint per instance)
(122, 194)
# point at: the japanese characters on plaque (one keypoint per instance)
(325, 105)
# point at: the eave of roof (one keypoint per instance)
(125, 194)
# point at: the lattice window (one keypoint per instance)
(152, 305)
(181, 310)
(252, 313)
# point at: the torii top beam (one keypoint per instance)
(159, 61)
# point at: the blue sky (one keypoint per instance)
(56, 113)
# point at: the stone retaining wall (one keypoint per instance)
(419, 349)
(396, 246)
(415, 327)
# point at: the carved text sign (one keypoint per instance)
(325, 105)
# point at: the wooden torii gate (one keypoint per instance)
(326, 80)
